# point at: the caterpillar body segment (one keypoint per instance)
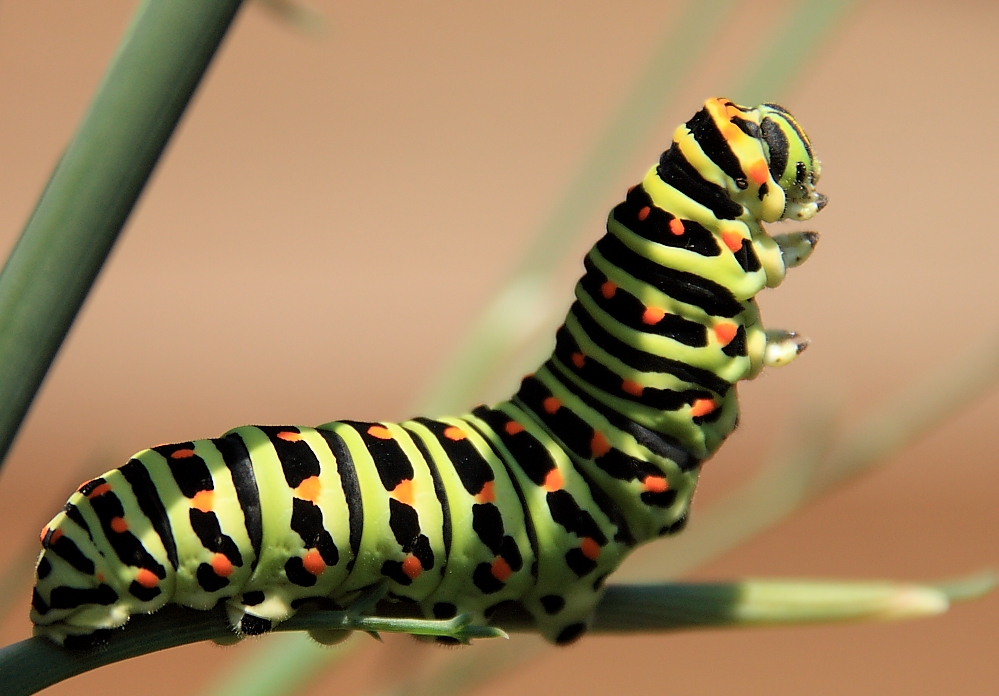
(535, 500)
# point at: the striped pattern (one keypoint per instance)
(535, 500)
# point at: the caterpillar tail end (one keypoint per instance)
(783, 347)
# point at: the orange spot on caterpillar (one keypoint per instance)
(551, 405)
(676, 227)
(702, 407)
(599, 445)
(553, 481)
(182, 454)
(203, 500)
(380, 431)
(630, 387)
(653, 315)
(725, 333)
(99, 491)
(41, 537)
(289, 436)
(656, 484)
(55, 536)
(313, 562)
(454, 433)
(501, 569)
(83, 485)
(488, 493)
(309, 489)
(221, 565)
(119, 525)
(758, 172)
(147, 578)
(513, 427)
(643, 214)
(412, 567)
(578, 359)
(404, 493)
(608, 289)
(590, 548)
(733, 240)
(99, 576)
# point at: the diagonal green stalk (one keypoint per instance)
(524, 301)
(804, 29)
(73, 228)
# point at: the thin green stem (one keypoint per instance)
(33, 664)
(73, 228)
(758, 603)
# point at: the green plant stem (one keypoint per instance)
(804, 28)
(33, 664)
(299, 15)
(95, 185)
(757, 603)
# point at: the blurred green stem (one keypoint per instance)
(148, 84)
(300, 658)
(525, 300)
(806, 25)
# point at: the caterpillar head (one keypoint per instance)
(791, 162)
(759, 155)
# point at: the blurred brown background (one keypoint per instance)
(333, 213)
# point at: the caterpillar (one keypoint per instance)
(535, 500)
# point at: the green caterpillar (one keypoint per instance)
(535, 500)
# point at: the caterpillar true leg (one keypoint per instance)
(783, 347)
(796, 247)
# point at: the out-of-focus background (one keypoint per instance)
(333, 212)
